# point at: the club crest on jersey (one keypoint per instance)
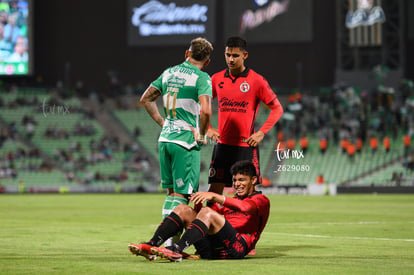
(211, 172)
(244, 87)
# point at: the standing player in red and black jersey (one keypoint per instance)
(229, 231)
(239, 91)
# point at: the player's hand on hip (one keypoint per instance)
(200, 139)
(213, 134)
(255, 139)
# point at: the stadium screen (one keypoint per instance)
(16, 42)
(173, 22)
(263, 21)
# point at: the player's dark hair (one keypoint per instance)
(200, 49)
(244, 167)
(236, 42)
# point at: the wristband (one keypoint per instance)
(201, 139)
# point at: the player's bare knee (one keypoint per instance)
(206, 213)
(185, 212)
(182, 210)
(212, 219)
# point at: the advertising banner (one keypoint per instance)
(169, 22)
(263, 21)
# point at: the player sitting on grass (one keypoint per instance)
(228, 231)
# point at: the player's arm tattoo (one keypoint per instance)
(148, 100)
(151, 94)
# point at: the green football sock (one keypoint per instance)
(177, 201)
(167, 207)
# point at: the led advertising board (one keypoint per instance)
(169, 22)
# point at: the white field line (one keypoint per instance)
(341, 223)
(338, 237)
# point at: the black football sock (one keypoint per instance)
(170, 226)
(195, 231)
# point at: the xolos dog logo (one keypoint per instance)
(244, 87)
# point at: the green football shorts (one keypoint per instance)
(180, 167)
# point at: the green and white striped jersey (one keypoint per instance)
(181, 86)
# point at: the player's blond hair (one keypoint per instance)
(200, 48)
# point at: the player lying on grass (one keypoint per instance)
(227, 230)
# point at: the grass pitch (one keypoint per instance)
(89, 234)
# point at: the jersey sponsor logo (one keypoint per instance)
(172, 89)
(180, 69)
(176, 81)
(230, 105)
(154, 18)
(244, 87)
(228, 102)
(180, 76)
(252, 19)
(179, 182)
(171, 128)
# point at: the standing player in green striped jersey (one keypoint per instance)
(186, 93)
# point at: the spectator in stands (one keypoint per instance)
(123, 176)
(20, 53)
(407, 143)
(266, 182)
(344, 144)
(6, 47)
(290, 144)
(30, 128)
(323, 145)
(359, 145)
(397, 178)
(304, 142)
(3, 16)
(344, 136)
(320, 179)
(45, 166)
(280, 135)
(34, 152)
(350, 149)
(20, 153)
(409, 163)
(55, 132)
(386, 143)
(11, 29)
(373, 142)
(83, 128)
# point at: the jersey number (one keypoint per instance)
(174, 104)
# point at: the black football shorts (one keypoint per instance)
(224, 156)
